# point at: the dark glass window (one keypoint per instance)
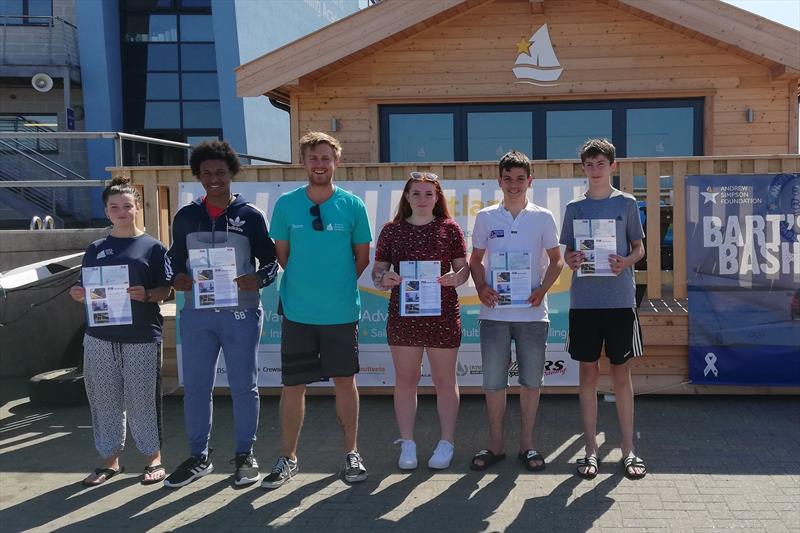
(162, 115)
(151, 28)
(490, 135)
(568, 130)
(162, 86)
(421, 137)
(195, 4)
(201, 115)
(198, 57)
(660, 132)
(200, 86)
(162, 57)
(543, 130)
(170, 85)
(196, 28)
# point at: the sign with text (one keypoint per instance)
(465, 198)
(743, 265)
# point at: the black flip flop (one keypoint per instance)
(488, 457)
(150, 470)
(588, 462)
(106, 473)
(531, 455)
(632, 461)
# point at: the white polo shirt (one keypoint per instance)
(533, 231)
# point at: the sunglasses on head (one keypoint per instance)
(423, 176)
(317, 222)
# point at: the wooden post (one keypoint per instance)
(679, 229)
(653, 230)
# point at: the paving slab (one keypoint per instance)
(717, 463)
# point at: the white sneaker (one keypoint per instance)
(442, 455)
(408, 454)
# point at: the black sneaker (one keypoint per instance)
(282, 472)
(246, 469)
(192, 468)
(353, 468)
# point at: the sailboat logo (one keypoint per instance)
(537, 60)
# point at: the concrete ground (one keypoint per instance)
(716, 464)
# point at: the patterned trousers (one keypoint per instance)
(123, 381)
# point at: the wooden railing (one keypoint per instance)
(160, 184)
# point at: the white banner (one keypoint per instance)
(465, 198)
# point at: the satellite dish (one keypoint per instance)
(42, 82)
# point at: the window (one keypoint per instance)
(660, 132)
(568, 130)
(30, 123)
(490, 135)
(543, 130)
(421, 137)
(171, 88)
(27, 12)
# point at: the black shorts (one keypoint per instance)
(618, 329)
(310, 352)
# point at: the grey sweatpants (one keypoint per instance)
(123, 381)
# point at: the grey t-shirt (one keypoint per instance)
(604, 292)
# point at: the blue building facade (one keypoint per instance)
(165, 68)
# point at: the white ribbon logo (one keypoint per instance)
(710, 360)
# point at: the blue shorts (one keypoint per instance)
(530, 340)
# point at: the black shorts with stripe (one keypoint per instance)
(617, 329)
(312, 352)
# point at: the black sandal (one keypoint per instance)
(631, 462)
(101, 475)
(487, 457)
(532, 455)
(151, 470)
(590, 467)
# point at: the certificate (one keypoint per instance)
(597, 239)
(420, 292)
(214, 271)
(510, 274)
(106, 295)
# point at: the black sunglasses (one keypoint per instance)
(317, 222)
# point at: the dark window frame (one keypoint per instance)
(618, 108)
(135, 102)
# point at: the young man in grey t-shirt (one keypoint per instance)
(603, 297)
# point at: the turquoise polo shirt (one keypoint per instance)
(319, 284)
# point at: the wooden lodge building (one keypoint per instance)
(680, 86)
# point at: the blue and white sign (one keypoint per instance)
(743, 266)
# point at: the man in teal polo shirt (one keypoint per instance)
(322, 238)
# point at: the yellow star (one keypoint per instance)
(523, 46)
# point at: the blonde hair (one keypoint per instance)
(314, 138)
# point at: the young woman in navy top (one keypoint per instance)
(122, 363)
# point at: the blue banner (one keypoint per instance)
(743, 268)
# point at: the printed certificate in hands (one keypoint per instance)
(107, 300)
(420, 292)
(214, 271)
(511, 278)
(597, 239)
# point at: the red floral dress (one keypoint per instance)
(439, 240)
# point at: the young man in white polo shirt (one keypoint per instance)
(505, 232)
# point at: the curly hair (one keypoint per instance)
(217, 150)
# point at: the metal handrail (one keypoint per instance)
(118, 137)
(52, 161)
